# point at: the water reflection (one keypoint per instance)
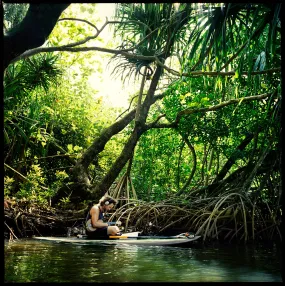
(38, 261)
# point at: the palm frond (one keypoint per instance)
(41, 71)
(220, 30)
(151, 26)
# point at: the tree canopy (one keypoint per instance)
(205, 122)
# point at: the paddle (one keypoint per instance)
(126, 235)
(136, 235)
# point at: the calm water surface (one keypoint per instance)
(28, 260)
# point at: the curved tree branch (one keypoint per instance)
(80, 20)
(212, 73)
(124, 52)
(206, 109)
(73, 47)
(182, 190)
(68, 48)
(87, 38)
(128, 109)
(233, 158)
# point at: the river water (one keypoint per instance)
(28, 260)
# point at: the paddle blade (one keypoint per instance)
(126, 235)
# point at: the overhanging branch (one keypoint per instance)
(67, 48)
(72, 48)
(188, 111)
(212, 73)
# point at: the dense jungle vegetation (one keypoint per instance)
(197, 149)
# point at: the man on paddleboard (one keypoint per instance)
(95, 227)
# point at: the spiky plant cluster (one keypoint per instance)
(39, 71)
(21, 79)
(147, 29)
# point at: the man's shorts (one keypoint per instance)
(99, 233)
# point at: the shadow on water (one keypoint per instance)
(28, 260)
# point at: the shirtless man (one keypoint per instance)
(95, 227)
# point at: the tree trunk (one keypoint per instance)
(80, 171)
(128, 150)
(33, 31)
(183, 189)
(140, 124)
(233, 158)
(119, 164)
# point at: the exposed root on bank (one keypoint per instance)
(230, 216)
(27, 219)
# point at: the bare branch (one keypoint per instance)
(67, 48)
(80, 20)
(71, 48)
(35, 51)
(87, 38)
(157, 97)
(170, 70)
(231, 73)
(213, 73)
(157, 119)
(128, 107)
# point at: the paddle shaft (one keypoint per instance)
(142, 237)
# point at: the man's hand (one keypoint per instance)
(118, 223)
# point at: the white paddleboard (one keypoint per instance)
(123, 240)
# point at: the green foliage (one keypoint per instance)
(21, 78)
(231, 35)
(13, 14)
(32, 188)
(8, 186)
(50, 116)
(60, 177)
(147, 29)
(221, 131)
(218, 37)
(154, 164)
(48, 124)
(69, 31)
(24, 83)
(65, 202)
